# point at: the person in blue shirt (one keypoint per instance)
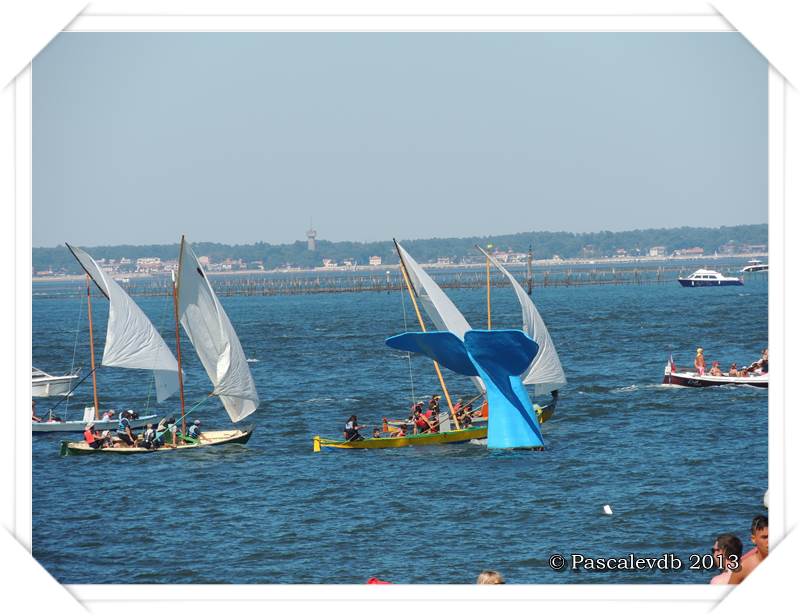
(194, 430)
(124, 432)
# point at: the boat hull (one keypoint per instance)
(691, 379)
(686, 282)
(52, 386)
(80, 426)
(439, 438)
(222, 437)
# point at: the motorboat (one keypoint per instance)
(754, 265)
(44, 385)
(50, 423)
(708, 278)
(687, 377)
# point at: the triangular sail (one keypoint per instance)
(545, 371)
(214, 338)
(439, 308)
(131, 339)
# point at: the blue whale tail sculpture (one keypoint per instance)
(499, 357)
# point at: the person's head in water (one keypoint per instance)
(760, 534)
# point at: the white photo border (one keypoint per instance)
(104, 597)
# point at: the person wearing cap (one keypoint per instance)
(433, 404)
(167, 425)
(149, 440)
(91, 437)
(194, 430)
(700, 362)
(108, 415)
(124, 431)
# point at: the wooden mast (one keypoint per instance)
(422, 325)
(488, 293)
(91, 344)
(178, 338)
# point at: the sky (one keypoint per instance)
(237, 138)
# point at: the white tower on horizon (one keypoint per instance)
(311, 234)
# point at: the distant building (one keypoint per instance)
(376, 260)
(148, 264)
(689, 252)
(329, 263)
(750, 248)
(204, 261)
(620, 252)
(588, 251)
(729, 248)
(349, 262)
(658, 251)
(311, 235)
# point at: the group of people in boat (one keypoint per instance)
(758, 367)
(421, 420)
(165, 434)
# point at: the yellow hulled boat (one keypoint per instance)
(437, 438)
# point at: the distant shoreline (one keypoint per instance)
(537, 263)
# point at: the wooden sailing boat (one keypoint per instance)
(444, 314)
(202, 317)
(131, 342)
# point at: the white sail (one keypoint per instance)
(437, 305)
(545, 371)
(131, 339)
(439, 308)
(214, 338)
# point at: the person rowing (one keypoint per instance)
(351, 429)
(421, 423)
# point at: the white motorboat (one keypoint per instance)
(51, 425)
(709, 278)
(44, 385)
(754, 265)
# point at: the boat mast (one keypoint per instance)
(530, 269)
(91, 344)
(488, 293)
(178, 337)
(422, 325)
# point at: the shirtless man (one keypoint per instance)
(760, 537)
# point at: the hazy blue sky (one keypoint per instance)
(237, 138)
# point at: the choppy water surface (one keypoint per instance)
(678, 466)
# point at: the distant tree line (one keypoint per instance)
(545, 244)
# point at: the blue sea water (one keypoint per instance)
(678, 466)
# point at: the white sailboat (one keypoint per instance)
(198, 310)
(131, 342)
(545, 371)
